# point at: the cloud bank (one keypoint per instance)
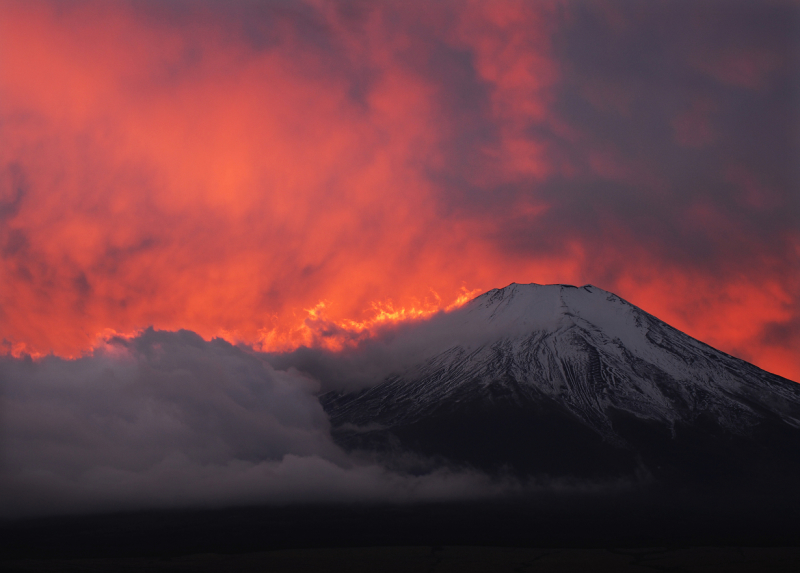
(168, 420)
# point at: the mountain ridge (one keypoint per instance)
(568, 361)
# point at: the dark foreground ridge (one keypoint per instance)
(580, 522)
(455, 559)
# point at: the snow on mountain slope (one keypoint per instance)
(584, 349)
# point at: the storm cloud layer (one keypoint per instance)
(283, 174)
(168, 420)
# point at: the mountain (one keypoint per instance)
(556, 381)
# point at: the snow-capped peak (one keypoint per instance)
(582, 347)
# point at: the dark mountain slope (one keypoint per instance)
(563, 382)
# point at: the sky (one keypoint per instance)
(293, 173)
(183, 183)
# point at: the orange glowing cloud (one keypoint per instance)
(304, 176)
(183, 179)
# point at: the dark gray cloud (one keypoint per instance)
(167, 419)
(684, 133)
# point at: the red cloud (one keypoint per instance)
(288, 189)
(745, 67)
(181, 178)
(693, 126)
